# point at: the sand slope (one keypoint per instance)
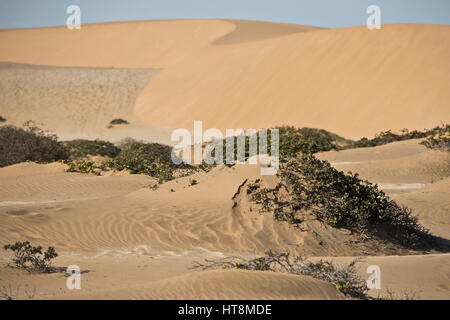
(409, 172)
(350, 81)
(108, 223)
(397, 166)
(132, 44)
(77, 102)
(233, 74)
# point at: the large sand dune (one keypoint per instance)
(77, 102)
(353, 81)
(136, 44)
(233, 74)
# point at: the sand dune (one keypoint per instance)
(404, 163)
(77, 102)
(427, 276)
(163, 230)
(432, 205)
(134, 44)
(137, 44)
(233, 74)
(354, 82)
(409, 172)
(247, 31)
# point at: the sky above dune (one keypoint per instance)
(324, 13)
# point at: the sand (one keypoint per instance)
(76, 102)
(139, 243)
(354, 82)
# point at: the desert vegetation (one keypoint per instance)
(2, 119)
(80, 148)
(388, 136)
(83, 167)
(292, 142)
(30, 258)
(439, 140)
(345, 278)
(339, 200)
(29, 143)
(153, 159)
(117, 121)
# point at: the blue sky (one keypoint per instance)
(324, 13)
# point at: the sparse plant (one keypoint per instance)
(153, 186)
(193, 182)
(125, 142)
(82, 167)
(344, 277)
(406, 294)
(388, 136)
(440, 140)
(10, 293)
(118, 121)
(2, 119)
(30, 258)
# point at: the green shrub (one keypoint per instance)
(28, 144)
(118, 121)
(344, 200)
(153, 159)
(2, 119)
(125, 142)
(388, 136)
(440, 140)
(82, 167)
(81, 148)
(295, 141)
(32, 258)
(292, 142)
(339, 200)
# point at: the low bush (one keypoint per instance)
(30, 258)
(338, 199)
(295, 141)
(118, 121)
(388, 136)
(153, 159)
(81, 148)
(292, 143)
(2, 119)
(440, 140)
(82, 167)
(29, 144)
(344, 278)
(125, 142)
